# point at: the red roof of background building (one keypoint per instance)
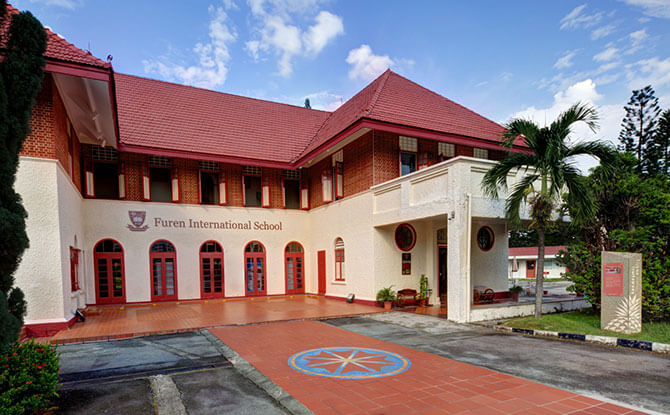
(532, 250)
(57, 47)
(167, 116)
(395, 99)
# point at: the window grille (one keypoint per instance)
(105, 154)
(292, 174)
(159, 161)
(446, 149)
(209, 165)
(251, 171)
(481, 153)
(408, 144)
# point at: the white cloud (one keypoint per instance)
(213, 57)
(327, 27)
(325, 101)
(638, 37)
(276, 34)
(565, 61)
(576, 19)
(654, 8)
(654, 72)
(602, 31)
(366, 65)
(606, 55)
(66, 4)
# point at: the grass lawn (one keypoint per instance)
(586, 322)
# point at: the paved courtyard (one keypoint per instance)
(377, 363)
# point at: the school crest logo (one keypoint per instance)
(137, 218)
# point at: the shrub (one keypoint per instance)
(28, 378)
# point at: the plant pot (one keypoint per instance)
(387, 305)
(422, 302)
(515, 297)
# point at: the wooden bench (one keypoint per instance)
(483, 294)
(406, 296)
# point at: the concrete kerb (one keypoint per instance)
(287, 401)
(648, 346)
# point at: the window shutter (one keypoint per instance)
(146, 187)
(304, 194)
(424, 160)
(327, 185)
(88, 178)
(122, 180)
(265, 187)
(244, 191)
(283, 193)
(339, 180)
(223, 189)
(175, 184)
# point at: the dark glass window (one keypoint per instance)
(485, 238)
(405, 237)
(407, 163)
(106, 180)
(209, 188)
(292, 194)
(161, 184)
(252, 191)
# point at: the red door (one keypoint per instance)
(110, 282)
(294, 268)
(530, 269)
(321, 260)
(211, 270)
(254, 269)
(163, 258)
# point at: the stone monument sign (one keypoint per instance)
(621, 292)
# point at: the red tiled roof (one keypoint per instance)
(532, 250)
(163, 115)
(57, 47)
(394, 99)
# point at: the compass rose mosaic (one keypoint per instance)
(349, 363)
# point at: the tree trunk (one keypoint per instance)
(539, 273)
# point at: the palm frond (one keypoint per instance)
(519, 127)
(576, 113)
(580, 200)
(496, 177)
(604, 152)
(518, 195)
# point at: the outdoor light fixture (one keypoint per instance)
(350, 298)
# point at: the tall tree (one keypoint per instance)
(638, 128)
(549, 162)
(662, 140)
(21, 71)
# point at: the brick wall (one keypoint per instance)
(40, 141)
(386, 163)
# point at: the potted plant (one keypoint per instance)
(386, 296)
(515, 291)
(423, 290)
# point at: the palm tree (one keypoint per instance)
(550, 162)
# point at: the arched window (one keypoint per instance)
(110, 281)
(211, 270)
(163, 260)
(294, 267)
(254, 269)
(339, 259)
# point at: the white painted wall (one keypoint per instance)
(489, 268)
(40, 273)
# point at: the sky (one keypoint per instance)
(502, 59)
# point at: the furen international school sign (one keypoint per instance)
(621, 289)
(139, 223)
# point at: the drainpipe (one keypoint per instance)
(468, 249)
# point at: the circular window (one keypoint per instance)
(405, 237)
(485, 238)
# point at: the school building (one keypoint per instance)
(139, 190)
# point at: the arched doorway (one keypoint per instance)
(110, 279)
(163, 259)
(254, 269)
(294, 268)
(211, 270)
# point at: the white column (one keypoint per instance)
(458, 263)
